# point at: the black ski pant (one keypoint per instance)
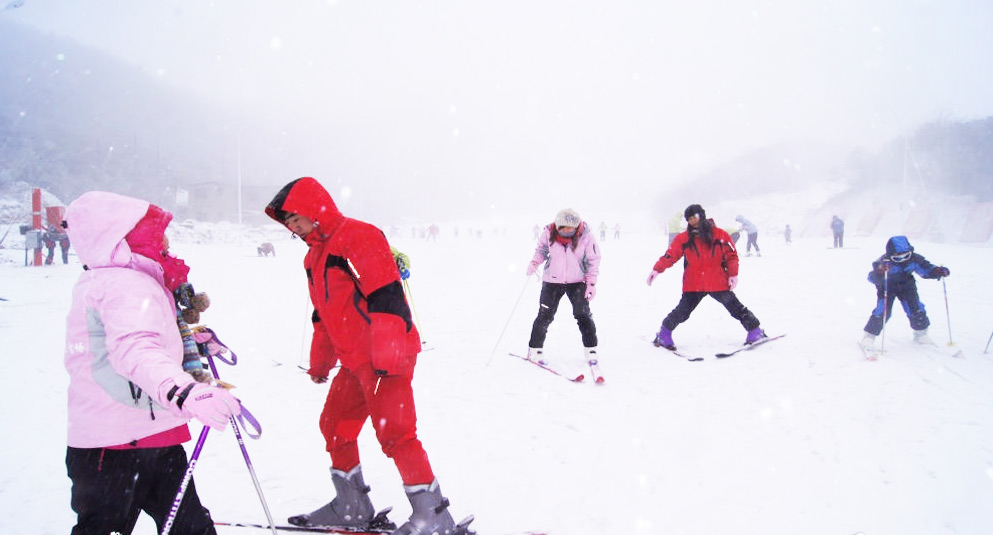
(839, 240)
(912, 306)
(690, 300)
(111, 487)
(551, 294)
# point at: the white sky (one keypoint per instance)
(526, 92)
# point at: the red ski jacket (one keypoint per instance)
(707, 266)
(360, 312)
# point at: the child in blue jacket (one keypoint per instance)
(893, 275)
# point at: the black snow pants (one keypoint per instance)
(551, 294)
(690, 300)
(111, 487)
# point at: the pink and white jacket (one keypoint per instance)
(123, 350)
(578, 260)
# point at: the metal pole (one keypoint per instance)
(947, 315)
(244, 453)
(495, 346)
(239, 178)
(886, 307)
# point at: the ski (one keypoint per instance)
(578, 379)
(378, 525)
(673, 351)
(869, 353)
(595, 371)
(682, 355)
(750, 346)
(304, 529)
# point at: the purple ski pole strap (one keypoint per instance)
(255, 432)
(247, 416)
(187, 477)
(214, 347)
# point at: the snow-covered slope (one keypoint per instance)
(799, 436)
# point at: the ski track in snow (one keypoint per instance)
(800, 436)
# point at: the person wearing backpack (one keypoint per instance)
(129, 399)
(361, 320)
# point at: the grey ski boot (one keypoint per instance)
(351, 508)
(430, 514)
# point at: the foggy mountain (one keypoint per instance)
(74, 119)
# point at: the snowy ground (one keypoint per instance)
(801, 436)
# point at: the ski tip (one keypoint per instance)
(599, 380)
(579, 378)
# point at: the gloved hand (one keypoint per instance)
(939, 272)
(212, 405)
(883, 267)
(651, 277)
(532, 268)
(732, 282)
(590, 291)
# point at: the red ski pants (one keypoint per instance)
(357, 395)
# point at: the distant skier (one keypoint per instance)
(53, 235)
(710, 268)
(571, 258)
(675, 226)
(788, 234)
(752, 233)
(838, 229)
(893, 276)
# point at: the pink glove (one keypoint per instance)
(652, 277)
(733, 281)
(212, 405)
(532, 268)
(590, 291)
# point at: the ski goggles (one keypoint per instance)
(901, 257)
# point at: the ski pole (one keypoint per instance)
(886, 308)
(410, 297)
(244, 453)
(518, 302)
(187, 477)
(947, 314)
(988, 344)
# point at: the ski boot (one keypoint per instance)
(921, 337)
(664, 339)
(754, 335)
(537, 354)
(350, 509)
(430, 514)
(868, 342)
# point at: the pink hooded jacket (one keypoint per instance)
(123, 349)
(565, 264)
